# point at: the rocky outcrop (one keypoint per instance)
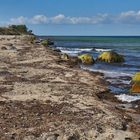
(136, 83)
(47, 42)
(110, 57)
(136, 77)
(86, 59)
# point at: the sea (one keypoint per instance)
(118, 75)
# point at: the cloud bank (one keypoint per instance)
(129, 17)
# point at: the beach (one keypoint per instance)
(46, 97)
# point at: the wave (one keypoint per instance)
(127, 98)
(102, 50)
(119, 81)
(112, 74)
(73, 51)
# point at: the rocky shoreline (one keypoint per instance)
(44, 97)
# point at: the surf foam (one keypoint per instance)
(127, 98)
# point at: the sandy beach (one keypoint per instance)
(44, 97)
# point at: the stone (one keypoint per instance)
(110, 57)
(135, 88)
(86, 59)
(47, 42)
(136, 77)
(64, 56)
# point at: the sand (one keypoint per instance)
(43, 97)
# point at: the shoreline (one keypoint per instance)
(43, 96)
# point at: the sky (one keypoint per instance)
(73, 17)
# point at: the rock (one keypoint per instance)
(86, 59)
(47, 42)
(136, 77)
(135, 88)
(136, 83)
(56, 50)
(110, 57)
(64, 56)
(44, 43)
(37, 41)
(74, 137)
(3, 48)
(13, 48)
(74, 60)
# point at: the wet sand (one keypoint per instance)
(43, 97)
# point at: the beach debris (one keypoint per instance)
(86, 59)
(110, 57)
(136, 83)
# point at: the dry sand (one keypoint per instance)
(43, 97)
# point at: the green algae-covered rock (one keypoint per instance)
(136, 83)
(136, 77)
(86, 59)
(44, 42)
(110, 57)
(47, 42)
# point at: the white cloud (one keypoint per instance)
(18, 20)
(38, 19)
(129, 17)
(57, 19)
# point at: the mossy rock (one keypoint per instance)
(135, 88)
(136, 77)
(86, 59)
(110, 57)
(45, 43)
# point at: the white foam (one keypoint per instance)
(74, 50)
(112, 74)
(102, 50)
(118, 81)
(127, 98)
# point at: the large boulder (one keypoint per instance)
(44, 42)
(136, 77)
(110, 57)
(86, 59)
(47, 42)
(135, 88)
(136, 83)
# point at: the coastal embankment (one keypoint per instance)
(43, 97)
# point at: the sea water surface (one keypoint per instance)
(117, 75)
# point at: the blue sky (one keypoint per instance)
(73, 17)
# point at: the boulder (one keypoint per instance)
(110, 57)
(64, 56)
(44, 43)
(86, 59)
(47, 42)
(136, 83)
(3, 48)
(56, 50)
(136, 77)
(135, 88)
